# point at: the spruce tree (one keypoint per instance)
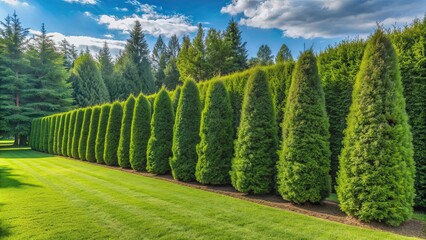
(159, 149)
(186, 133)
(64, 150)
(283, 55)
(376, 175)
(112, 136)
(106, 68)
(215, 149)
(123, 152)
(84, 134)
(77, 132)
(93, 130)
(159, 60)
(100, 135)
(238, 54)
(253, 166)
(71, 131)
(140, 132)
(304, 165)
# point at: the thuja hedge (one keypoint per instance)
(93, 130)
(123, 153)
(84, 134)
(140, 133)
(112, 136)
(100, 135)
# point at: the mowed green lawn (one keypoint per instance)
(49, 197)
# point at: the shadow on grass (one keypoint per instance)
(8, 180)
(4, 229)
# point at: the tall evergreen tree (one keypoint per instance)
(71, 131)
(256, 146)
(159, 148)
(238, 56)
(60, 134)
(264, 55)
(171, 72)
(215, 149)
(159, 61)
(186, 133)
(64, 150)
(89, 87)
(376, 175)
(123, 153)
(93, 132)
(304, 165)
(51, 134)
(77, 132)
(69, 53)
(84, 133)
(140, 132)
(100, 135)
(198, 53)
(283, 55)
(185, 62)
(112, 136)
(106, 68)
(217, 53)
(55, 134)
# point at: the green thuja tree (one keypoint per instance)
(77, 132)
(59, 134)
(51, 134)
(100, 135)
(175, 99)
(125, 133)
(140, 132)
(304, 165)
(43, 135)
(159, 148)
(253, 166)
(376, 175)
(40, 135)
(215, 149)
(186, 133)
(55, 131)
(93, 130)
(71, 128)
(66, 134)
(84, 134)
(112, 136)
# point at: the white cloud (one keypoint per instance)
(324, 18)
(15, 3)
(121, 9)
(152, 22)
(81, 42)
(109, 36)
(92, 2)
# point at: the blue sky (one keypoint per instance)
(298, 23)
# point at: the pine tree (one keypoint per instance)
(89, 87)
(106, 68)
(238, 54)
(77, 132)
(376, 175)
(84, 134)
(140, 133)
(100, 135)
(283, 55)
(215, 149)
(64, 151)
(304, 165)
(123, 153)
(186, 133)
(159, 149)
(253, 167)
(112, 136)
(71, 132)
(264, 55)
(93, 130)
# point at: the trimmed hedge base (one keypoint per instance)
(226, 131)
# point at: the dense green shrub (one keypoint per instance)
(376, 175)
(77, 132)
(100, 135)
(140, 132)
(186, 133)
(125, 133)
(112, 136)
(34, 133)
(84, 134)
(410, 45)
(66, 134)
(338, 66)
(175, 98)
(56, 120)
(51, 133)
(73, 118)
(93, 130)
(59, 134)
(253, 166)
(304, 165)
(41, 135)
(159, 148)
(215, 149)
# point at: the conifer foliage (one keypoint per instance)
(126, 125)
(93, 130)
(100, 135)
(159, 148)
(216, 147)
(140, 132)
(186, 133)
(303, 168)
(376, 176)
(112, 136)
(82, 143)
(256, 146)
(77, 132)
